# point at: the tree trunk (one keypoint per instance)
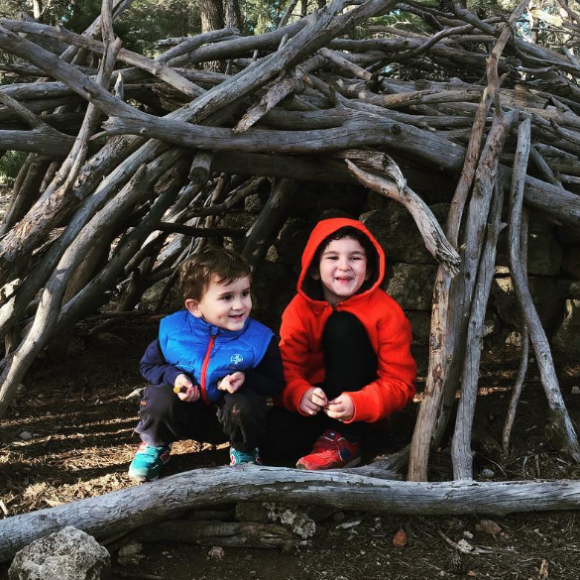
(212, 15)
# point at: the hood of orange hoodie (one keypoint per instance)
(311, 289)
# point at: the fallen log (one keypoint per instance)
(125, 510)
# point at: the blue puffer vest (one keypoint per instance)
(209, 353)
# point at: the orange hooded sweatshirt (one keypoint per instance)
(388, 329)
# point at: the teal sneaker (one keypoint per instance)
(239, 457)
(148, 461)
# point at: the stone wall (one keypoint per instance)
(553, 265)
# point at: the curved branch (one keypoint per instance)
(393, 187)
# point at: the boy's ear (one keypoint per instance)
(315, 275)
(192, 306)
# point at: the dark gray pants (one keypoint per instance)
(239, 418)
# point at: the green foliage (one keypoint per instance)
(147, 21)
(10, 164)
(263, 15)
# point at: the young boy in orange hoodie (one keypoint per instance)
(345, 346)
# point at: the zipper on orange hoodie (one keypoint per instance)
(204, 369)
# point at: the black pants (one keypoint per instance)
(350, 364)
(239, 418)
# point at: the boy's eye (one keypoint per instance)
(227, 296)
(245, 293)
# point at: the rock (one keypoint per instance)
(571, 262)
(488, 527)
(252, 511)
(544, 250)
(69, 554)
(26, 435)
(411, 285)
(111, 338)
(254, 203)
(574, 291)
(151, 296)
(130, 554)
(292, 240)
(566, 339)
(273, 287)
(375, 201)
(217, 553)
(420, 324)
(546, 296)
(569, 235)
(298, 521)
(400, 539)
(575, 390)
(491, 324)
(487, 473)
(396, 231)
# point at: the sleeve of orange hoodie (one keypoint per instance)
(396, 371)
(295, 346)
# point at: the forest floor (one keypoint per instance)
(69, 435)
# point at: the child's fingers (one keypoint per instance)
(224, 384)
(319, 397)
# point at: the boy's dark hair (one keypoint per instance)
(196, 273)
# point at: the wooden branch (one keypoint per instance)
(25, 191)
(451, 303)
(57, 68)
(200, 170)
(337, 59)
(544, 168)
(226, 534)
(269, 222)
(394, 186)
(170, 76)
(114, 513)
(278, 92)
(461, 445)
(45, 327)
(201, 232)
(27, 116)
(561, 425)
(493, 61)
(518, 385)
(191, 44)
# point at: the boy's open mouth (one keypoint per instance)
(343, 278)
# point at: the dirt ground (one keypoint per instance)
(69, 436)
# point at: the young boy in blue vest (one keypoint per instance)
(211, 368)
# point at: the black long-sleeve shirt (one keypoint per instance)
(266, 379)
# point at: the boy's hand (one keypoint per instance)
(185, 389)
(313, 401)
(341, 408)
(231, 383)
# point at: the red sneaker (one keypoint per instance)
(331, 450)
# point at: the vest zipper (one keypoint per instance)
(204, 370)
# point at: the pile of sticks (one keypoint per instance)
(134, 161)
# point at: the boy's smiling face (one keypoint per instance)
(226, 306)
(342, 269)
